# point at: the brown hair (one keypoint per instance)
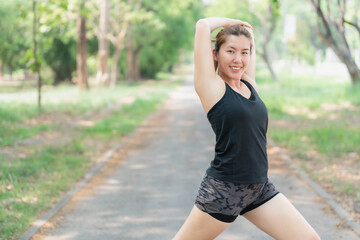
(236, 30)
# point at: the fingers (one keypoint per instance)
(241, 23)
(247, 25)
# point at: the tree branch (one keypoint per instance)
(325, 23)
(356, 26)
(355, 23)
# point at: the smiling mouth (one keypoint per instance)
(236, 68)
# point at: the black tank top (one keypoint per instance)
(240, 126)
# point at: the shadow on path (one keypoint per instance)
(149, 195)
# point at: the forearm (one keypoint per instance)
(217, 22)
(214, 22)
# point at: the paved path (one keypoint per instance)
(150, 194)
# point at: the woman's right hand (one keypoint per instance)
(238, 22)
(216, 22)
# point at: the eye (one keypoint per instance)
(245, 53)
(230, 51)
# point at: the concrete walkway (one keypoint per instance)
(150, 194)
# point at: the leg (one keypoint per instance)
(200, 226)
(280, 219)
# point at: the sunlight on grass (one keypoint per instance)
(28, 185)
(317, 120)
(32, 183)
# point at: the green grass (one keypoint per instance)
(126, 120)
(17, 107)
(332, 138)
(12, 133)
(129, 116)
(317, 119)
(299, 99)
(329, 139)
(29, 185)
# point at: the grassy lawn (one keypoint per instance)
(34, 180)
(317, 119)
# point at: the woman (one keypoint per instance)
(236, 182)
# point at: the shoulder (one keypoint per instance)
(211, 93)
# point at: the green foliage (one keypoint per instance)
(306, 41)
(57, 44)
(14, 37)
(61, 58)
(55, 36)
(162, 28)
(169, 28)
(275, 6)
(230, 9)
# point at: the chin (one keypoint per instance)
(237, 76)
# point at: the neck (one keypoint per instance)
(231, 81)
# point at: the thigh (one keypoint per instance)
(200, 226)
(280, 219)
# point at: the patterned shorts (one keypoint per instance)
(225, 200)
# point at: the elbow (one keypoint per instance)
(197, 87)
(202, 23)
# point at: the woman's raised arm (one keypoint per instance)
(205, 71)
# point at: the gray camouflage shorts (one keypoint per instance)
(225, 200)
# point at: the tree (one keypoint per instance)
(103, 52)
(155, 32)
(122, 15)
(166, 28)
(268, 18)
(331, 28)
(131, 73)
(57, 45)
(82, 71)
(16, 35)
(36, 61)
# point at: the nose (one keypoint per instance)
(237, 58)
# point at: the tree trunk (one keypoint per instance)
(130, 55)
(37, 65)
(345, 57)
(269, 65)
(136, 65)
(81, 56)
(11, 70)
(102, 75)
(353, 69)
(268, 25)
(114, 69)
(1, 70)
(119, 45)
(341, 50)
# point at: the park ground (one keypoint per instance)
(318, 128)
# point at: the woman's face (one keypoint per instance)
(233, 57)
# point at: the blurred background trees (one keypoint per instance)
(119, 39)
(112, 40)
(332, 18)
